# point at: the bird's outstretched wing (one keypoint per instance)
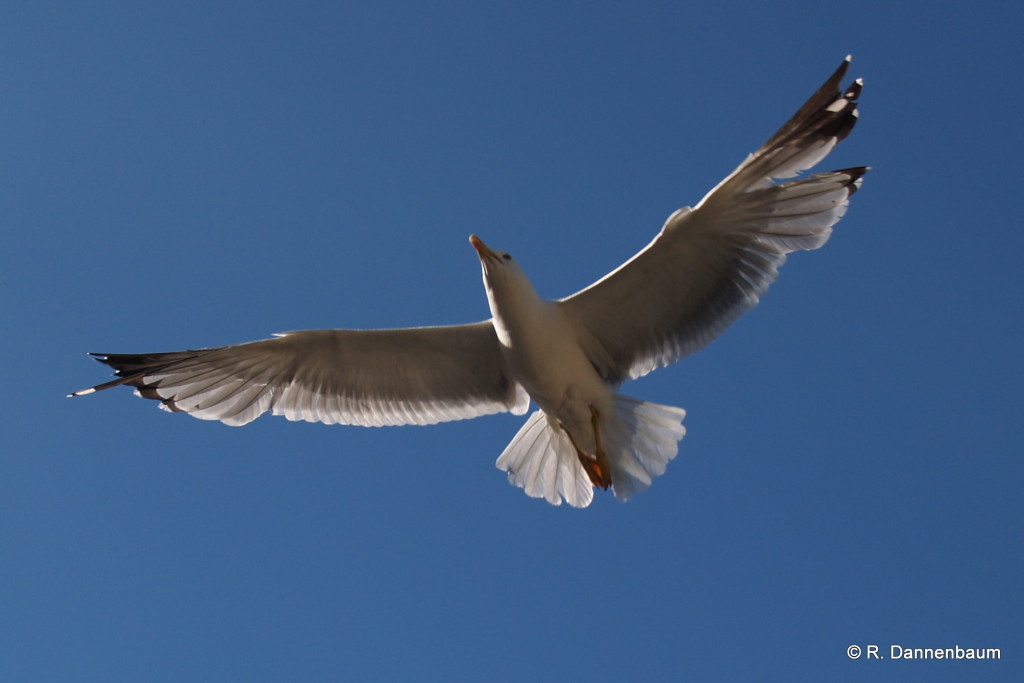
(361, 377)
(710, 264)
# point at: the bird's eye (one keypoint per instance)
(507, 257)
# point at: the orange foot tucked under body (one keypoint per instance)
(596, 466)
(599, 474)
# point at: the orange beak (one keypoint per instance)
(482, 250)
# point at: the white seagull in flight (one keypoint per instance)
(706, 267)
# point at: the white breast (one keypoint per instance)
(542, 352)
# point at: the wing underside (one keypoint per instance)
(359, 377)
(710, 264)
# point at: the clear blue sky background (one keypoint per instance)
(188, 174)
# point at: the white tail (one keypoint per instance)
(639, 439)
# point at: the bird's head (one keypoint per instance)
(497, 266)
(503, 277)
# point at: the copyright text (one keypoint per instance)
(897, 651)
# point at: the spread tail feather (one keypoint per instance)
(540, 460)
(640, 438)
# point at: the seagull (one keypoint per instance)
(707, 266)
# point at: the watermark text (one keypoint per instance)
(898, 651)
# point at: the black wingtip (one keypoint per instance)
(835, 80)
(91, 390)
(854, 89)
(855, 174)
(830, 112)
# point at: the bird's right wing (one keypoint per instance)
(711, 263)
(419, 375)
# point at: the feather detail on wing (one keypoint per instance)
(359, 377)
(710, 264)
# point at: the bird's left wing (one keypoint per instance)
(419, 375)
(710, 264)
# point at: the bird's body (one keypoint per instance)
(706, 267)
(542, 352)
(544, 356)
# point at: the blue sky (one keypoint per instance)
(193, 174)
